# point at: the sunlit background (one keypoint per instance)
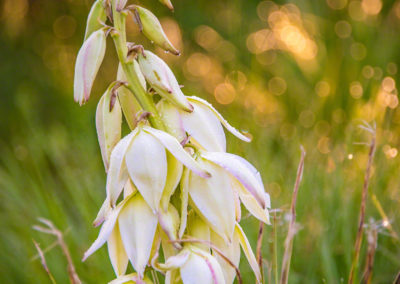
(290, 72)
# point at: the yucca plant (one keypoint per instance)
(171, 185)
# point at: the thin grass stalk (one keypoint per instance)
(360, 230)
(372, 237)
(397, 279)
(292, 224)
(43, 262)
(259, 250)
(385, 219)
(275, 260)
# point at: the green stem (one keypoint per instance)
(119, 36)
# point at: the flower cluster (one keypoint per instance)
(170, 182)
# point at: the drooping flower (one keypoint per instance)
(87, 65)
(203, 125)
(162, 80)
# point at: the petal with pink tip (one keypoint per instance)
(225, 123)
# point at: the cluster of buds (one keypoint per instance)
(171, 185)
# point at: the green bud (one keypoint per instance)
(97, 16)
(152, 29)
(168, 4)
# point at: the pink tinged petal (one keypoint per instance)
(230, 128)
(108, 126)
(175, 261)
(105, 230)
(203, 125)
(244, 242)
(116, 252)
(245, 173)
(185, 201)
(231, 251)
(177, 150)
(146, 161)
(103, 213)
(213, 199)
(201, 268)
(162, 80)
(137, 225)
(171, 116)
(87, 65)
(117, 175)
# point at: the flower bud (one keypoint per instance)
(108, 124)
(87, 65)
(97, 16)
(169, 222)
(168, 4)
(162, 80)
(152, 29)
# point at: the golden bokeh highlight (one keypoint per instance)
(356, 90)
(225, 93)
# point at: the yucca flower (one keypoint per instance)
(181, 191)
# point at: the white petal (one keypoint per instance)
(204, 127)
(130, 278)
(201, 268)
(169, 222)
(87, 65)
(177, 150)
(171, 116)
(137, 225)
(174, 174)
(246, 174)
(213, 198)
(176, 261)
(117, 174)
(244, 242)
(231, 251)
(103, 212)
(146, 161)
(116, 252)
(105, 230)
(230, 128)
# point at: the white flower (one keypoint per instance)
(203, 125)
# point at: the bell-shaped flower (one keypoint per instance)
(87, 65)
(129, 104)
(196, 266)
(152, 29)
(212, 198)
(142, 156)
(96, 18)
(137, 226)
(162, 80)
(108, 124)
(245, 180)
(203, 125)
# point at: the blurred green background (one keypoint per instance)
(290, 72)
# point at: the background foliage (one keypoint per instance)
(290, 72)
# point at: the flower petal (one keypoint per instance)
(169, 222)
(137, 225)
(175, 261)
(247, 175)
(177, 150)
(174, 174)
(213, 198)
(108, 125)
(231, 251)
(201, 268)
(171, 116)
(87, 65)
(198, 229)
(117, 173)
(96, 16)
(147, 166)
(204, 127)
(230, 128)
(184, 201)
(244, 242)
(130, 278)
(116, 252)
(106, 229)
